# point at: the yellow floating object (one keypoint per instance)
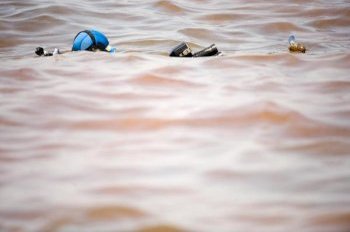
(295, 46)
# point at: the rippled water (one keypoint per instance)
(255, 140)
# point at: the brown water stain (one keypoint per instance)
(122, 124)
(266, 113)
(286, 59)
(304, 130)
(58, 224)
(341, 220)
(9, 122)
(281, 27)
(36, 23)
(22, 74)
(330, 23)
(320, 12)
(198, 33)
(222, 174)
(113, 213)
(10, 43)
(264, 219)
(169, 7)
(27, 215)
(223, 17)
(161, 228)
(157, 80)
(139, 190)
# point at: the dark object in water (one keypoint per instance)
(295, 46)
(42, 52)
(209, 51)
(183, 50)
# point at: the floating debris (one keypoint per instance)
(294, 46)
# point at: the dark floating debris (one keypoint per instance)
(294, 46)
(183, 50)
(42, 52)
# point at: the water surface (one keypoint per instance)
(255, 140)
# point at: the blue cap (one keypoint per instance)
(91, 39)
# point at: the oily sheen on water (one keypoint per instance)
(254, 140)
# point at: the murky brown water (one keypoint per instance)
(255, 140)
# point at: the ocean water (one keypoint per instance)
(257, 139)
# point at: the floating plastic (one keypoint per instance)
(294, 46)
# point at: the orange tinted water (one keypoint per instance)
(255, 140)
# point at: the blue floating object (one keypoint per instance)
(89, 40)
